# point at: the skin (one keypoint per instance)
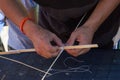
(85, 33)
(41, 37)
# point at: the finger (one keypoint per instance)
(58, 41)
(52, 49)
(46, 50)
(44, 53)
(49, 54)
(49, 47)
(77, 52)
(71, 40)
(74, 52)
(55, 52)
(83, 51)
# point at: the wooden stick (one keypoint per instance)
(17, 51)
(65, 47)
(80, 46)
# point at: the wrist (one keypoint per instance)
(92, 25)
(22, 22)
(91, 28)
(31, 29)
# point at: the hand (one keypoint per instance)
(42, 44)
(41, 39)
(83, 35)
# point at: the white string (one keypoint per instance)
(52, 64)
(23, 64)
(3, 77)
(80, 21)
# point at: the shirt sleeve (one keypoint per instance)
(28, 4)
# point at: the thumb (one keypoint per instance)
(71, 40)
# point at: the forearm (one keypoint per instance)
(13, 10)
(103, 9)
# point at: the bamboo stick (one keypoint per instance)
(65, 47)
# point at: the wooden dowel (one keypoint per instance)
(65, 47)
(80, 46)
(17, 51)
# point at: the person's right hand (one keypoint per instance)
(42, 39)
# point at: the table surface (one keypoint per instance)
(95, 65)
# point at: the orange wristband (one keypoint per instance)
(23, 22)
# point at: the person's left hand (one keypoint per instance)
(83, 35)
